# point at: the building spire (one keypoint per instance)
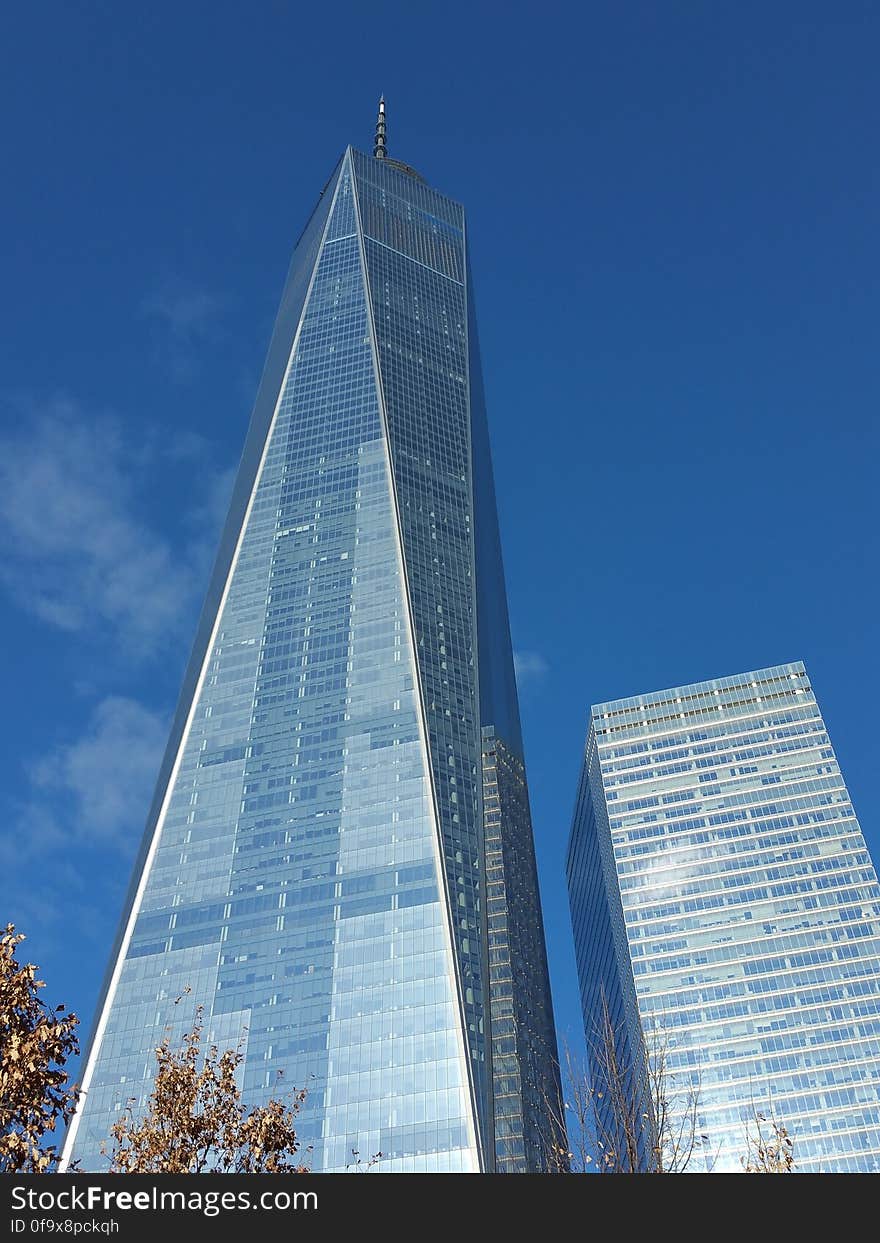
(379, 149)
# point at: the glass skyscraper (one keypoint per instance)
(723, 901)
(314, 867)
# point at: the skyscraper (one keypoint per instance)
(724, 903)
(314, 865)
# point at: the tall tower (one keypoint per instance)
(314, 863)
(727, 914)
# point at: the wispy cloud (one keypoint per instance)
(189, 313)
(204, 520)
(87, 798)
(108, 530)
(529, 666)
(189, 319)
(103, 779)
(85, 552)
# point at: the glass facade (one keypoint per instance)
(722, 895)
(313, 869)
(526, 1081)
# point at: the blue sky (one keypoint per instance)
(673, 213)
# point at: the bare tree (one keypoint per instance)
(35, 1043)
(673, 1128)
(767, 1151)
(631, 1114)
(569, 1118)
(622, 1108)
(196, 1122)
(358, 1166)
(625, 1114)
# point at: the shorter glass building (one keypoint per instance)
(722, 895)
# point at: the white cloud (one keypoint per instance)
(188, 312)
(93, 547)
(79, 820)
(205, 521)
(103, 780)
(189, 319)
(529, 666)
(82, 553)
